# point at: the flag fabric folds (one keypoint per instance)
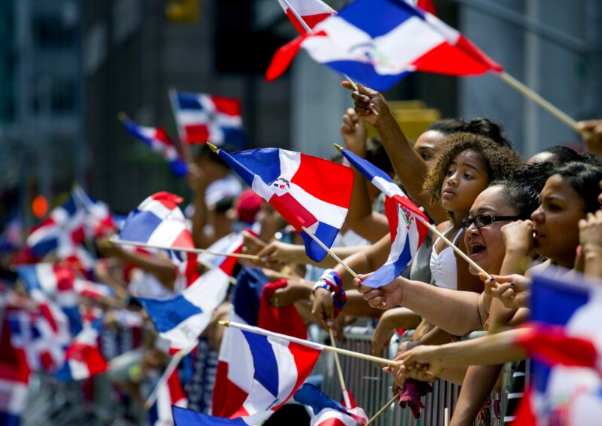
(158, 221)
(567, 309)
(14, 378)
(83, 358)
(407, 231)
(272, 369)
(182, 318)
(327, 412)
(311, 12)
(169, 393)
(231, 388)
(157, 139)
(206, 118)
(307, 191)
(377, 42)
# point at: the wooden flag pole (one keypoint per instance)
(307, 28)
(337, 362)
(183, 249)
(435, 231)
(535, 97)
(184, 147)
(330, 252)
(382, 410)
(314, 345)
(173, 363)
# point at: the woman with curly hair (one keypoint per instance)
(463, 169)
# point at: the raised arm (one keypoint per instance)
(410, 168)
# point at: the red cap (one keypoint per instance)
(248, 206)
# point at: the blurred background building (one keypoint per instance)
(68, 67)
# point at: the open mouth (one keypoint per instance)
(477, 249)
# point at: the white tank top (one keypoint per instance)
(444, 268)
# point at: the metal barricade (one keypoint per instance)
(371, 387)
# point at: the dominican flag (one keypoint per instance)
(83, 358)
(250, 306)
(92, 290)
(158, 221)
(306, 13)
(231, 243)
(157, 139)
(567, 385)
(14, 378)
(182, 318)
(307, 191)
(273, 371)
(47, 282)
(426, 5)
(206, 118)
(377, 42)
(169, 393)
(35, 340)
(407, 231)
(327, 412)
(98, 218)
(64, 225)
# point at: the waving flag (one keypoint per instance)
(231, 389)
(307, 191)
(47, 281)
(169, 393)
(377, 42)
(14, 378)
(65, 224)
(311, 12)
(98, 218)
(182, 318)
(83, 358)
(567, 386)
(325, 411)
(158, 221)
(407, 231)
(157, 139)
(273, 371)
(33, 337)
(426, 5)
(206, 118)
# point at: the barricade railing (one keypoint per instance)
(371, 387)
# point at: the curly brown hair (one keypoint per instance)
(499, 161)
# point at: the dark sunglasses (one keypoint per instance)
(485, 219)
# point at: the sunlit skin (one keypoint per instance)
(466, 179)
(427, 145)
(556, 230)
(484, 245)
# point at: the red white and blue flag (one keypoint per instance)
(64, 225)
(158, 221)
(14, 378)
(206, 118)
(169, 393)
(405, 226)
(307, 191)
(48, 283)
(83, 358)
(274, 370)
(327, 412)
(378, 42)
(565, 345)
(311, 12)
(157, 139)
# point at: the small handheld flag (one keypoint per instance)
(307, 191)
(157, 139)
(378, 42)
(405, 222)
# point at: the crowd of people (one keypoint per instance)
(512, 217)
